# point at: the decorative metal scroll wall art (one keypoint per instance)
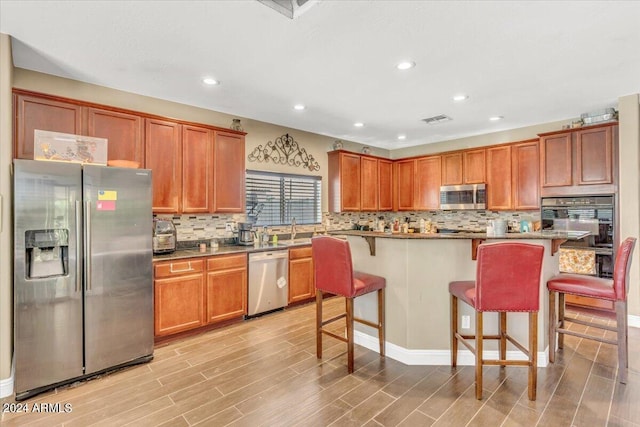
(284, 151)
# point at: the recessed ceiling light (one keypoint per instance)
(299, 107)
(405, 65)
(460, 97)
(210, 81)
(496, 118)
(402, 137)
(358, 124)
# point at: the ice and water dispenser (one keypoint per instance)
(47, 253)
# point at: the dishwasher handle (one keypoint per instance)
(264, 256)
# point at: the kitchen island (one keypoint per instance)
(418, 269)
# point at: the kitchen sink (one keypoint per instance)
(300, 241)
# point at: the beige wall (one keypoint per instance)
(502, 137)
(258, 133)
(6, 271)
(629, 192)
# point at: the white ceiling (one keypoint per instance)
(529, 61)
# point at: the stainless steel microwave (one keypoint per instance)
(468, 196)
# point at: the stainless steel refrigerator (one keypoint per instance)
(83, 284)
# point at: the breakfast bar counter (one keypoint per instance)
(418, 269)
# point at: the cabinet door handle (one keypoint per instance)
(180, 271)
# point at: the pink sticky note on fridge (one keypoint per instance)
(106, 205)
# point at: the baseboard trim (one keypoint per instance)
(437, 357)
(443, 357)
(6, 384)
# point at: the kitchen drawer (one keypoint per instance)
(297, 253)
(177, 268)
(227, 262)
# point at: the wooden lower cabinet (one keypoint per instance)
(193, 293)
(301, 278)
(178, 293)
(226, 287)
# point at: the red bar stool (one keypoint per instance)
(507, 280)
(334, 274)
(594, 287)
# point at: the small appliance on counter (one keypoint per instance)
(245, 234)
(164, 236)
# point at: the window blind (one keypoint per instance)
(275, 198)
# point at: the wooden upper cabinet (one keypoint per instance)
(452, 169)
(385, 185)
(123, 131)
(473, 166)
(197, 173)
(404, 184)
(499, 178)
(579, 161)
(345, 174)
(525, 172)
(163, 155)
(428, 176)
(369, 184)
(463, 167)
(31, 113)
(594, 156)
(555, 160)
(228, 173)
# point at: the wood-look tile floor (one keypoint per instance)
(264, 372)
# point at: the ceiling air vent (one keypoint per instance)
(437, 119)
(290, 8)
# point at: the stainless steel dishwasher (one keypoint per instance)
(268, 277)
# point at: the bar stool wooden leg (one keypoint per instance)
(381, 315)
(454, 330)
(319, 324)
(350, 346)
(553, 320)
(621, 324)
(503, 336)
(560, 321)
(479, 350)
(533, 354)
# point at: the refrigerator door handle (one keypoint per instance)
(87, 246)
(78, 246)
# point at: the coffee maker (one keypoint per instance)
(245, 234)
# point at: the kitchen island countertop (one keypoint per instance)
(536, 235)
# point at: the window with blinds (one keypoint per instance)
(275, 198)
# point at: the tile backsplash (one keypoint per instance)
(212, 226)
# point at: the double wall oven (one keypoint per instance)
(590, 224)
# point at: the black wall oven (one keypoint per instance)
(589, 222)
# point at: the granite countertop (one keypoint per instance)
(230, 249)
(536, 235)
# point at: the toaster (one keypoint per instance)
(164, 236)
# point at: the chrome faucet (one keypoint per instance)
(293, 228)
